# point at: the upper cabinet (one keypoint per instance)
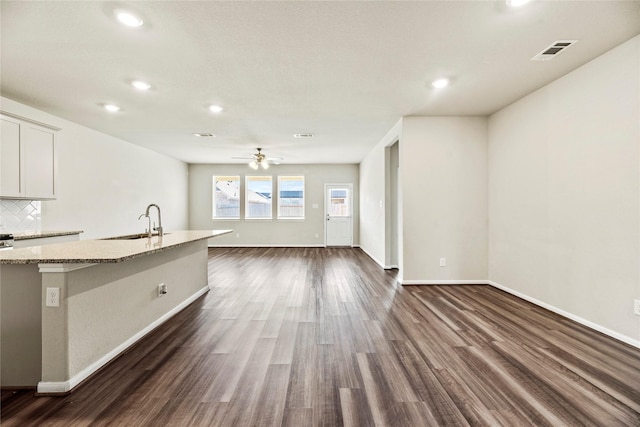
(11, 166)
(27, 159)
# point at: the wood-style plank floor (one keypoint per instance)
(313, 336)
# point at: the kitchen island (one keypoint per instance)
(68, 309)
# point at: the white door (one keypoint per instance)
(338, 220)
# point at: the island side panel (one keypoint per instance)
(54, 329)
(20, 324)
(109, 304)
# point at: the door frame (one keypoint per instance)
(392, 196)
(325, 213)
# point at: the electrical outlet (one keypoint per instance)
(162, 289)
(443, 262)
(636, 307)
(53, 297)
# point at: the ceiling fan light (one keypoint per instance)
(253, 164)
(265, 165)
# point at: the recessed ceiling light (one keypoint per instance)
(215, 108)
(517, 3)
(440, 83)
(128, 18)
(140, 85)
(112, 108)
(205, 135)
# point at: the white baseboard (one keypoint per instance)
(578, 319)
(50, 387)
(377, 261)
(444, 282)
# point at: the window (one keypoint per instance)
(291, 197)
(339, 202)
(226, 197)
(258, 193)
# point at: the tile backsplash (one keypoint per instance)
(20, 215)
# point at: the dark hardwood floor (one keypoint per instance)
(312, 336)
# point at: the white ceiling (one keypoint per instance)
(344, 71)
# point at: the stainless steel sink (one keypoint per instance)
(134, 236)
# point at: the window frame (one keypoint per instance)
(349, 202)
(304, 190)
(247, 193)
(215, 179)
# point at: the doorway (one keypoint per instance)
(338, 229)
(392, 154)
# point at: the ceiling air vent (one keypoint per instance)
(303, 135)
(554, 50)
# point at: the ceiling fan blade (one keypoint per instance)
(243, 158)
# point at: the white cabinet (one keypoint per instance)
(27, 159)
(11, 164)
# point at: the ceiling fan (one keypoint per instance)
(260, 160)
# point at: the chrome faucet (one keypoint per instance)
(148, 229)
(159, 227)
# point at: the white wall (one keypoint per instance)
(443, 174)
(105, 183)
(373, 191)
(564, 192)
(270, 232)
(442, 209)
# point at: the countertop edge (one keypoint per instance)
(44, 234)
(113, 260)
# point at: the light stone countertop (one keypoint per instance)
(42, 234)
(104, 251)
